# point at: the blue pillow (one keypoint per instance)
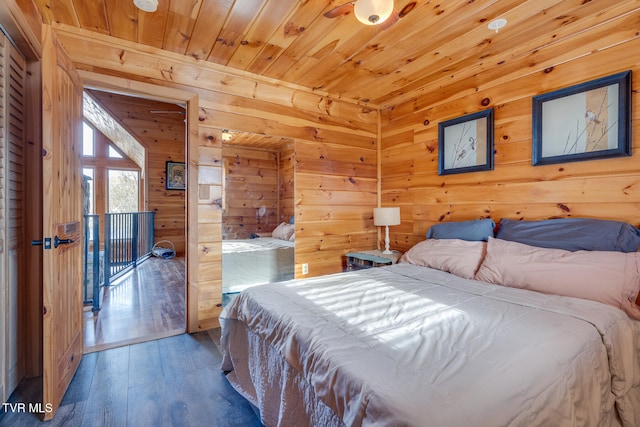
(473, 231)
(572, 234)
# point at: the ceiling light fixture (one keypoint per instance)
(226, 135)
(373, 12)
(146, 5)
(497, 24)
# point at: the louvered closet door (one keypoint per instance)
(15, 196)
(4, 306)
(12, 173)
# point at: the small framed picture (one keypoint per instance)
(465, 144)
(176, 176)
(587, 121)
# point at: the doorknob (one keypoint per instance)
(58, 241)
(46, 242)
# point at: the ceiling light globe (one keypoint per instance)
(146, 5)
(373, 12)
(497, 24)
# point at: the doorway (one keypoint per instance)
(129, 175)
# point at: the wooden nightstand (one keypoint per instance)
(369, 259)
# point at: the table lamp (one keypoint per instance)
(386, 217)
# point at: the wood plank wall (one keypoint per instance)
(335, 196)
(514, 189)
(287, 168)
(169, 205)
(259, 189)
(250, 190)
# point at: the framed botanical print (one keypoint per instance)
(465, 144)
(587, 121)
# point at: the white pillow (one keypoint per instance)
(609, 277)
(456, 256)
(283, 231)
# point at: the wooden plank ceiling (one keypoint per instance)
(292, 40)
(254, 140)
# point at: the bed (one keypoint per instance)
(458, 333)
(259, 260)
(251, 262)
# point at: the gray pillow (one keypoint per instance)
(473, 231)
(572, 234)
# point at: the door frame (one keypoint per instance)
(134, 88)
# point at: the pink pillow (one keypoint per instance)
(459, 257)
(609, 277)
(283, 231)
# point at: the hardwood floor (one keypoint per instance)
(174, 381)
(139, 367)
(146, 303)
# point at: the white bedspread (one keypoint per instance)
(253, 245)
(251, 262)
(411, 346)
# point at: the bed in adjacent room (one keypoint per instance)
(493, 333)
(251, 262)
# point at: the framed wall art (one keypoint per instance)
(587, 121)
(176, 176)
(465, 144)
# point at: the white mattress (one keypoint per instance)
(252, 262)
(409, 346)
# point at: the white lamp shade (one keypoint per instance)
(146, 5)
(373, 12)
(386, 216)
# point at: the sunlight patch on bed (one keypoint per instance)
(407, 317)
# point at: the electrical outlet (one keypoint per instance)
(305, 268)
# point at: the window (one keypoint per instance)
(87, 140)
(89, 204)
(123, 191)
(90, 195)
(113, 153)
